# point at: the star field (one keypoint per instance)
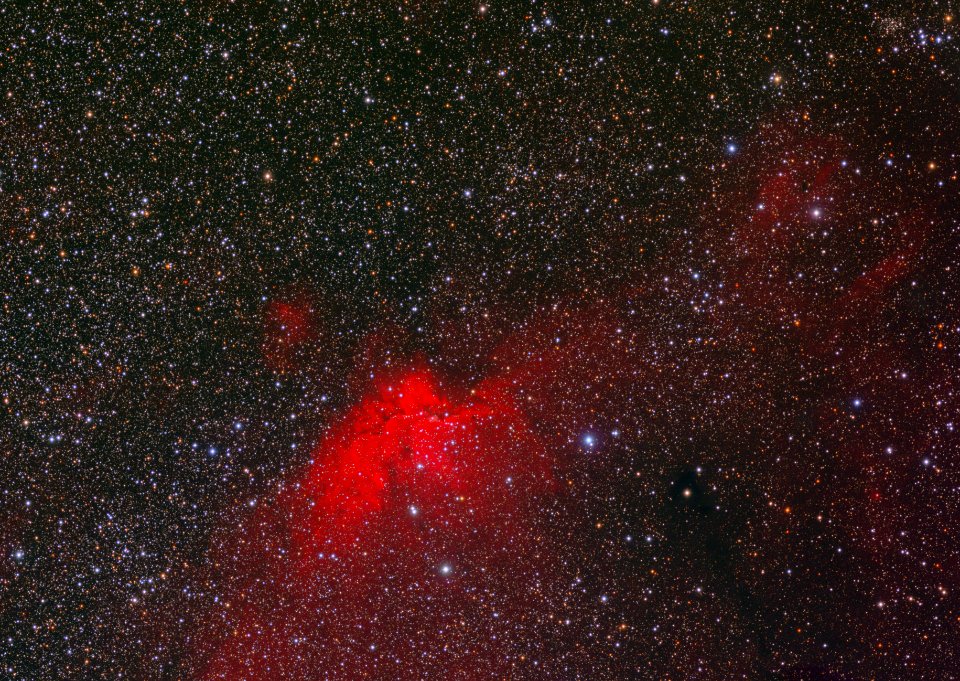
(479, 340)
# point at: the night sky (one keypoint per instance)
(517, 340)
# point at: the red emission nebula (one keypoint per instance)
(439, 529)
(462, 341)
(410, 482)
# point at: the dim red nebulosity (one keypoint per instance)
(289, 325)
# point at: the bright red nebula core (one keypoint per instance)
(407, 448)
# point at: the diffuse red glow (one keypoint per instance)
(411, 485)
(289, 325)
(407, 448)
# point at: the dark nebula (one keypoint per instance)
(477, 341)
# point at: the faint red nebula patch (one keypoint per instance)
(289, 325)
(814, 237)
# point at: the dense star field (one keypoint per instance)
(517, 340)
